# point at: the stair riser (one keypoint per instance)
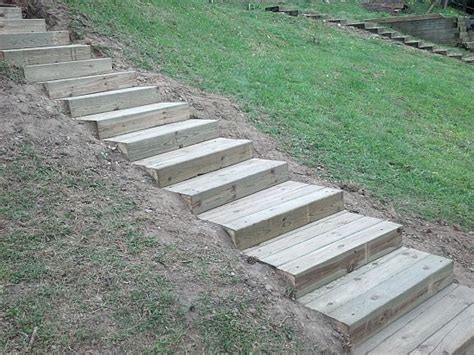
(33, 40)
(260, 232)
(45, 56)
(10, 13)
(401, 305)
(90, 85)
(189, 169)
(47, 72)
(22, 26)
(346, 262)
(172, 141)
(105, 103)
(216, 197)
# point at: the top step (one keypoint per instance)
(10, 13)
(22, 26)
(34, 40)
(441, 325)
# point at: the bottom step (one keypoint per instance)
(366, 300)
(442, 325)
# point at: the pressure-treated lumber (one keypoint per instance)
(366, 300)
(320, 252)
(22, 26)
(112, 100)
(32, 40)
(10, 13)
(441, 325)
(113, 123)
(157, 140)
(66, 70)
(229, 184)
(182, 164)
(89, 84)
(45, 55)
(266, 214)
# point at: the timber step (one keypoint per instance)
(10, 13)
(114, 123)
(454, 55)
(441, 325)
(366, 300)
(32, 40)
(45, 55)
(219, 187)
(468, 60)
(426, 46)
(279, 209)
(157, 140)
(22, 26)
(89, 84)
(186, 163)
(441, 51)
(413, 43)
(66, 70)
(111, 100)
(320, 252)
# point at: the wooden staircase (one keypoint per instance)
(346, 266)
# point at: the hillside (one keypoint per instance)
(99, 259)
(387, 119)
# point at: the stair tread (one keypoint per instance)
(89, 84)
(190, 153)
(32, 49)
(320, 241)
(425, 327)
(223, 176)
(353, 298)
(33, 39)
(158, 131)
(228, 184)
(130, 111)
(265, 203)
(108, 93)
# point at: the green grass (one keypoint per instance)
(83, 272)
(394, 121)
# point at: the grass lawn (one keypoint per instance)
(395, 121)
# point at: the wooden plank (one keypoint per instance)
(302, 234)
(455, 337)
(217, 188)
(109, 124)
(411, 330)
(22, 26)
(32, 40)
(324, 265)
(396, 295)
(253, 229)
(66, 70)
(112, 100)
(10, 13)
(176, 166)
(45, 55)
(257, 202)
(89, 84)
(350, 286)
(162, 139)
(318, 242)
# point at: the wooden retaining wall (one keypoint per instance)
(433, 28)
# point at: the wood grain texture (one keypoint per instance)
(22, 26)
(32, 40)
(172, 167)
(112, 100)
(229, 184)
(10, 13)
(66, 70)
(157, 140)
(109, 124)
(89, 84)
(45, 55)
